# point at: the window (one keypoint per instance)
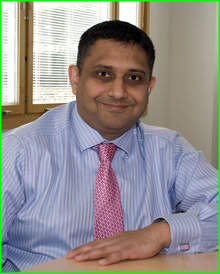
(39, 42)
(129, 11)
(9, 61)
(57, 27)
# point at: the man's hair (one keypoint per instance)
(118, 31)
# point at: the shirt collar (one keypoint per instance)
(88, 137)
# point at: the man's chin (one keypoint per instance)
(114, 129)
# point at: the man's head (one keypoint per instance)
(118, 31)
(112, 80)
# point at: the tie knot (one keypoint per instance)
(106, 152)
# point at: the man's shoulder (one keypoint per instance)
(148, 131)
(49, 124)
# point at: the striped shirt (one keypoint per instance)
(48, 177)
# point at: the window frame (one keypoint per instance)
(25, 111)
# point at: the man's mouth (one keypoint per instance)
(115, 107)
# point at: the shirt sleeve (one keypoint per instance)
(12, 188)
(194, 199)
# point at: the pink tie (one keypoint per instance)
(108, 210)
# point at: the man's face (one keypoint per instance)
(113, 88)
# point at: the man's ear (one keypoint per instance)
(151, 85)
(74, 77)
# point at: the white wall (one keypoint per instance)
(160, 33)
(185, 38)
(215, 103)
(193, 72)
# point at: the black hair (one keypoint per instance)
(119, 31)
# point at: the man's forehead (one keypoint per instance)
(104, 49)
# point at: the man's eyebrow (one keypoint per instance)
(138, 70)
(110, 68)
(103, 66)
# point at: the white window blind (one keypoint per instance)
(57, 27)
(9, 53)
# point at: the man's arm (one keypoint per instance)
(194, 197)
(193, 226)
(12, 190)
(138, 244)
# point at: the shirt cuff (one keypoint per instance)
(185, 233)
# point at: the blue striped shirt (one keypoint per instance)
(48, 176)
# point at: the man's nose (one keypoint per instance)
(118, 89)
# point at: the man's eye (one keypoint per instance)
(134, 78)
(103, 74)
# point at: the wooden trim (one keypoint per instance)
(30, 58)
(146, 17)
(22, 55)
(141, 14)
(14, 121)
(114, 10)
(41, 108)
(15, 109)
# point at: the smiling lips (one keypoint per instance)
(115, 107)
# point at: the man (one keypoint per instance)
(168, 191)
